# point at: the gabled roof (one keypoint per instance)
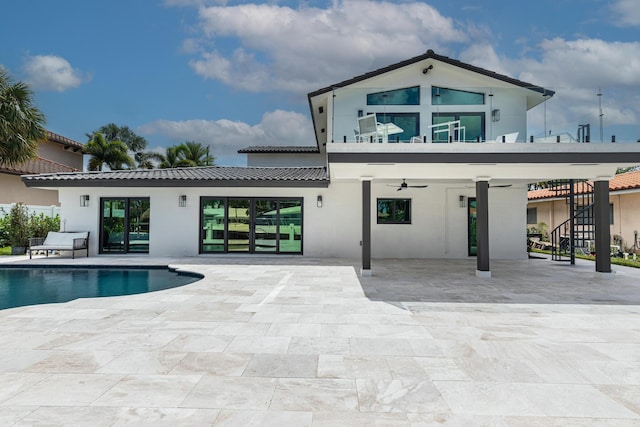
(620, 182)
(206, 176)
(37, 165)
(279, 149)
(430, 54)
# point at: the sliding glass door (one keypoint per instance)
(250, 225)
(124, 225)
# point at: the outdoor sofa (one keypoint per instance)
(60, 241)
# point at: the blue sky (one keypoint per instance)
(230, 73)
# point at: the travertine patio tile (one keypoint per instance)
(73, 362)
(340, 366)
(199, 343)
(360, 419)
(149, 391)
(402, 395)
(282, 366)
(311, 345)
(243, 344)
(65, 390)
(245, 418)
(231, 393)
(217, 364)
(315, 395)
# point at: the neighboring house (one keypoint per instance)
(545, 206)
(55, 154)
(430, 126)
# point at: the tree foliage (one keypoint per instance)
(113, 132)
(21, 122)
(113, 154)
(187, 154)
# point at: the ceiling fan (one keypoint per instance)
(404, 185)
(492, 186)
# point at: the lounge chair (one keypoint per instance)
(60, 241)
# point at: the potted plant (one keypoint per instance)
(18, 229)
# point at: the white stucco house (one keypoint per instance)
(455, 134)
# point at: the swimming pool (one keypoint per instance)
(43, 285)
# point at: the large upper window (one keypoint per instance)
(394, 211)
(445, 96)
(406, 96)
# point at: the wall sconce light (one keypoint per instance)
(84, 200)
(463, 201)
(182, 201)
(360, 113)
(495, 115)
(319, 201)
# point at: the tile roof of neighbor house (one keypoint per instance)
(54, 137)
(205, 176)
(430, 54)
(279, 149)
(37, 165)
(623, 181)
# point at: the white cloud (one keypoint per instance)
(626, 13)
(226, 137)
(50, 72)
(281, 48)
(580, 69)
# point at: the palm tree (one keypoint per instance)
(195, 153)
(21, 123)
(145, 159)
(113, 154)
(172, 159)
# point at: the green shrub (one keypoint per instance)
(19, 225)
(40, 225)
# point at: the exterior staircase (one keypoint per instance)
(577, 234)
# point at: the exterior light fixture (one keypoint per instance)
(495, 115)
(319, 201)
(463, 201)
(182, 201)
(84, 200)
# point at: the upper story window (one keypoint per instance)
(406, 96)
(445, 96)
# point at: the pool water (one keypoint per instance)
(28, 286)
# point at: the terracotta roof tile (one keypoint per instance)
(37, 165)
(54, 137)
(623, 181)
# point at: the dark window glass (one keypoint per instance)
(252, 225)
(406, 96)
(445, 96)
(473, 124)
(408, 122)
(394, 211)
(532, 215)
(124, 225)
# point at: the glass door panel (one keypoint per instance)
(472, 217)
(213, 214)
(265, 226)
(113, 222)
(238, 220)
(290, 226)
(138, 219)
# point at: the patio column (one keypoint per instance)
(601, 219)
(366, 227)
(482, 227)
